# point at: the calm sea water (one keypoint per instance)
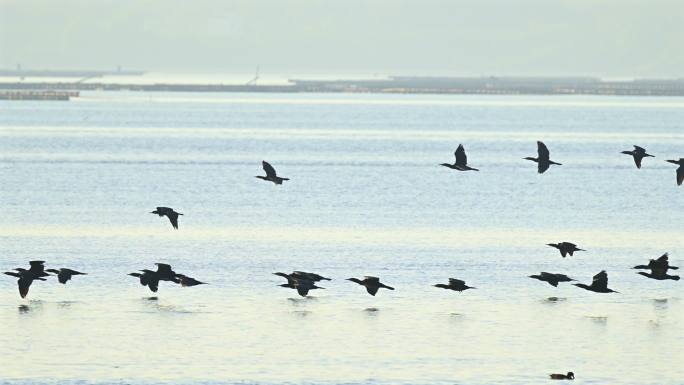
(366, 197)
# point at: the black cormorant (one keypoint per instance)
(64, 274)
(565, 248)
(638, 154)
(543, 161)
(455, 284)
(569, 376)
(270, 174)
(551, 278)
(372, 284)
(680, 170)
(148, 278)
(172, 215)
(461, 163)
(26, 278)
(599, 284)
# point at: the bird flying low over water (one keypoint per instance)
(64, 274)
(599, 284)
(461, 163)
(551, 278)
(565, 248)
(569, 376)
(372, 284)
(302, 281)
(659, 268)
(164, 272)
(543, 161)
(26, 276)
(680, 170)
(638, 154)
(455, 284)
(169, 213)
(270, 174)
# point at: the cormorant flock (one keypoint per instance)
(304, 282)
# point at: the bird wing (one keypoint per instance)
(164, 210)
(63, 276)
(600, 280)
(372, 290)
(153, 283)
(173, 217)
(542, 166)
(639, 149)
(163, 268)
(637, 158)
(37, 266)
(542, 151)
(24, 284)
(663, 260)
(368, 278)
(270, 171)
(461, 157)
(454, 282)
(680, 175)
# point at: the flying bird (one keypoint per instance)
(148, 278)
(569, 376)
(165, 273)
(565, 248)
(461, 162)
(169, 213)
(36, 272)
(455, 284)
(372, 284)
(543, 161)
(551, 278)
(270, 174)
(599, 284)
(638, 154)
(25, 280)
(680, 170)
(64, 274)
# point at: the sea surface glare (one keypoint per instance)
(366, 196)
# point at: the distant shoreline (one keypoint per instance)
(394, 85)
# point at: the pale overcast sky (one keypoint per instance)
(610, 38)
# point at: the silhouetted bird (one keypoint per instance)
(551, 278)
(148, 278)
(270, 174)
(372, 284)
(565, 248)
(186, 281)
(165, 273)
(638, 154)
(64, 274)
(169, 213)
(569, 376)
(599, 284)
(543, 161)
(658, 264)
(461, 163)
(25, 280)
(455, 284)
(303, 286)
(680, 170)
